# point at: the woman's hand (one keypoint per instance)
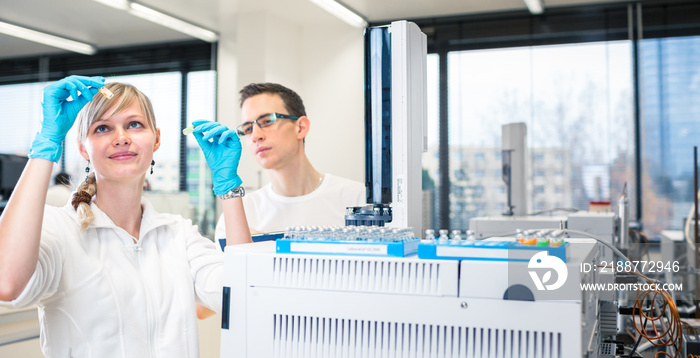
(60, 113)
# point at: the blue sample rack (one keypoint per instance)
(348, 247)
(486, 250)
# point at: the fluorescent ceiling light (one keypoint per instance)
(342, 12)
(172, 22)
(46, 39)
(535, 6)
(117, 4)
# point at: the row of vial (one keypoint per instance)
(553, 238)
(348, 233)
(455, 239)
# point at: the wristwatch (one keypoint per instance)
(234, 193)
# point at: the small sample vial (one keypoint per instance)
(556, 242)
(359, 233)
(188, 130)
(335, 234)
(289, 233)
(107, 93)
(471, 238)
(542, 238)
(444, 236)
(348, 234)
(430, 234)
(303, 233)
(315, 233)
(518, 235)
(556, 239)
(529, 238)
(408, 234)
(456, 237)
(381, 233)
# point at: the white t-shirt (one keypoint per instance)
(268, 211)
(102, 295)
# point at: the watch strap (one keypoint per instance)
(236, 192)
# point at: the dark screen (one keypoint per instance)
(11, 167)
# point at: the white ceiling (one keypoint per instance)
(105, 27)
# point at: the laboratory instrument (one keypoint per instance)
(395, 126)
(300, 305)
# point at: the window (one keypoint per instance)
(20, 101)
(566, 94)
(568, 76)
(460, 175)
(573, 89)
(201, 105)
(154, 69)
(670, 80)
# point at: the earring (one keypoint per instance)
(153, 162)
(87, 171)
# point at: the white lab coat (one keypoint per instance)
(58, 195)
(101, 295)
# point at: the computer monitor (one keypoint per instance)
(11, 167)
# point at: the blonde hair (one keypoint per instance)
(124, 96)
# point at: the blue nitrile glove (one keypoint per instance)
(59, 114)
(223, 154)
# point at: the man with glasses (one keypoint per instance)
(274, 128)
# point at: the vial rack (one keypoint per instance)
(348, 240)
(486, 250)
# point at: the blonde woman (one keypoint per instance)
(112, 277)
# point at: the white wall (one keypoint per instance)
(333, 81)
(324, 64)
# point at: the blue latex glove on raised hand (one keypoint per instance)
(222, 153)
(59, 113)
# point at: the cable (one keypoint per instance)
(673, 335)
(639, 339)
